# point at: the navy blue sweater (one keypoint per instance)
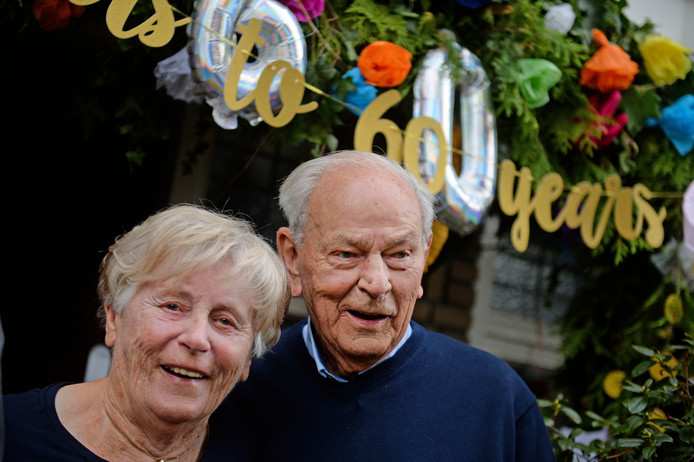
(436, 399)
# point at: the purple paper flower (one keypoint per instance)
(677, 122)
(362, 95)
(474, 3)
(313, 8)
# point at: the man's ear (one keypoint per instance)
(110, 338)
(288, 252)
(420, 292)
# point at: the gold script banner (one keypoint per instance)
(629, 206)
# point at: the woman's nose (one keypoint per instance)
(195, 333)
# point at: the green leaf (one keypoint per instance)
(633, 422)
(636, 405)
(644, 351)
(571, 414)
(648, 452)
(641, 368)
(639, 106)
(629, 442)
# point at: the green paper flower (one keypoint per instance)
(536, 77)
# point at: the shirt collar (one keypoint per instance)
(310, 342)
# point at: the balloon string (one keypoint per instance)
(308, 86)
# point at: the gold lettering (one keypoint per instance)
(549, 190)
(238, 62)
(291, 93)
(371, 122)
(156, 31)
(518, 203)
(655, 233)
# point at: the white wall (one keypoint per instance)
(673, 18)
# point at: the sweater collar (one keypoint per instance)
(310, 342)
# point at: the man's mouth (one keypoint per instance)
(184, 373)
(366, 316)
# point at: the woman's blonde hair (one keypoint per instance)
(188, 239)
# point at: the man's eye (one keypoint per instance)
(400, 254)
(345, 254)
(171, 307)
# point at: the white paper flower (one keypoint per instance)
(175, 74)
(560, 18)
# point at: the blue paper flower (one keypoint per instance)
(474, 3)
(677, 122)
(362, 95)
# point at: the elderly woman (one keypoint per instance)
(188, 298)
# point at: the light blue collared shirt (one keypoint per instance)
(310, 342)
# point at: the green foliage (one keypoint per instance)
(653, 418)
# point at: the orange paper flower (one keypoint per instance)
(55, 14)
(384, 64)
(610, 68)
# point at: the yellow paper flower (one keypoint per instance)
(658, 372)
(665, 60)
(656, 413)
(612, 383)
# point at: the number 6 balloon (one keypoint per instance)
(212, 34)
(464, 198)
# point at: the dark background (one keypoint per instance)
(67, 194)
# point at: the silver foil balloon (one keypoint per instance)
(216, 23)
(464, 199)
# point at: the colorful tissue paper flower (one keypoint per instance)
(362, 95)
(677, 122)
(384, 64)
(55, 14)
(610, 68)
(536, 77)
(313, 7)
(665, 60)
(609, 126)
(560, 18)
(175, 75)
(474, 3)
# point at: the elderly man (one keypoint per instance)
(358, 380)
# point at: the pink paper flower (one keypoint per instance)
(605, 104)
(301, 8)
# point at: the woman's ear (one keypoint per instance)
(289, 254)
(110, 338)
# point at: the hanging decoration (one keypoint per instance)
(174, 74)
(607, 125)
(666, 61)
(610, 68)
(464, 198)
(677, 122)
(560, 18)
(384, 64)
(358, 99)
(249, 58)
(55, 14)
(535, 78)
(279, 39)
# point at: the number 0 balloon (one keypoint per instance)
(464, 199)
(215, 24)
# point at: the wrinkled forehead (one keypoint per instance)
(363, 199)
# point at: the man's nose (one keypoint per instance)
(195, 333)
(374, 277)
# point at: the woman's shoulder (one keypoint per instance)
(33, 430)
